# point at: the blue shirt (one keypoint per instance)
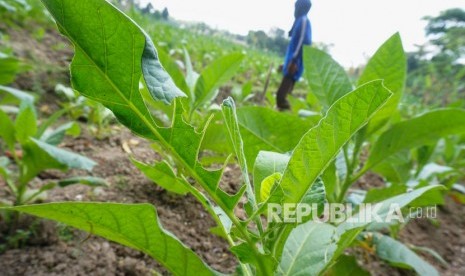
(301, 35)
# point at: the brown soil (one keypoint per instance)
(183, 216)
(445, 235)
(46, 58)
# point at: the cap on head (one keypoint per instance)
(302, 7)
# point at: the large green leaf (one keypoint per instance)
(319, 146)
(261, 129)
(111, 52)
(133, 225)
(389, 63)
(327, 79)
(214, 75)
(398, 254)
(321, 244)
(416, 132)
(269, 130)
(307, 249)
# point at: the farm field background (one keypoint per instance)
(391, 130)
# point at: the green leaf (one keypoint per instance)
(216, 137)
(31, 195)
(185, 143)
(56, 136)
(8, 68)
(25, 124)
(22, 96)
(85, 180)
(111, 52)
(266, 164)
(8, 130)
(39, 156)
(163, 175)
(175, 72)
(158, 81)
(347, 265)
(389, 63)
(7, 6)
(319, 146)
(398, 254)
(230, 118)
(396, 168)
(191, 76)
(47, 123)
(384, 207)
(215, 75)
(263, 129)
(267, 186)
(70, 159)
(422, 130)
(111, 55)
(316, 194)
(307, 249)
(322, 244)
(327, 79)
(133, 225)
(431, 252)
(245, 254)
(4, 163)
(377, 195)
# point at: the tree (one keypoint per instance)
(165, 14)
(436, 70)
(447, 32)
(148, 9)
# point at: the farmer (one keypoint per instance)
(301, 34)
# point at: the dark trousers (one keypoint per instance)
(285, 88)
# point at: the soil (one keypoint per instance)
(445, 234)
(57, 250)
(183, 216)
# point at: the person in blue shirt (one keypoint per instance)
(300, 34)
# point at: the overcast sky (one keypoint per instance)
(355, 27)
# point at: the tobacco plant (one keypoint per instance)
(30, 147)
(398, 149)
(113, 54)
(97, 117)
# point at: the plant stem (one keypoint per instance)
(207, 205)
(349, 181)
(193, 173)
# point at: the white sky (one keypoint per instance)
(355, 27)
